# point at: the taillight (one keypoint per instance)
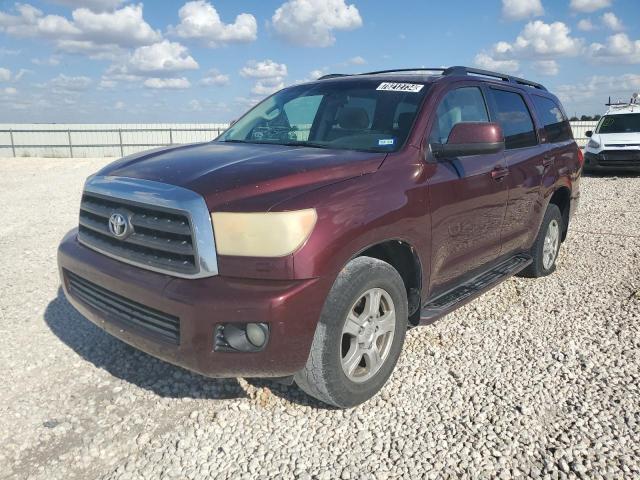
(580, 157)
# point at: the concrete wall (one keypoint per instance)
(116, 140)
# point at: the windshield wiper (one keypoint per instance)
(287, 144)
(304, 144)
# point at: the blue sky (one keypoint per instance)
(206, 61)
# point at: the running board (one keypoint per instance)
(473, 288)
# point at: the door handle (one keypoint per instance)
(499, 173)
(547, 160)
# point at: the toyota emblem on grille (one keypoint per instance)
(118, 225)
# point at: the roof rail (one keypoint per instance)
(459, 70)
(333, 75)
(456, 70)
(401, 70)
(395, 70)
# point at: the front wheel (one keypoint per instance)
(360, 334)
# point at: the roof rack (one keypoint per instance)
(631, 104)
(458, 70)
(455, 70)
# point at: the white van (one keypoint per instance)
(615, 143)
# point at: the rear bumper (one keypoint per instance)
(607, 161)
(291, 308)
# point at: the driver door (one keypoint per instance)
(468, 196)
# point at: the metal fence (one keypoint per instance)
(97, 140)
(579, 130)
(118, 140)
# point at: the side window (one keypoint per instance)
(461, 105)
(556, 124)
(514, 117)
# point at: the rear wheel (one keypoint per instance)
(360, 335)
(547, 244)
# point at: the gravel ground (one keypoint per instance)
(537, 378)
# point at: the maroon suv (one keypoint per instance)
(306, 239)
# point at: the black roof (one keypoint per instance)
(427, 74)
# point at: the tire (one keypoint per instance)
(340, 338)
(542, 266)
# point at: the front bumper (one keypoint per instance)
(618, 160)
(291, 308)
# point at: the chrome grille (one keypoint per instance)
(163, 227)
(158, 238)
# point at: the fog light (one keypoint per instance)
(257, 334)
(241, 337)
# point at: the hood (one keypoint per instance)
(247, 177)
(618, 139)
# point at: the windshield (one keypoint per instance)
(363, 115)
(626, 123)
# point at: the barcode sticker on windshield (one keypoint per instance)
(400, 87)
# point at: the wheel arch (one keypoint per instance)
(404, 257)
(562, 199)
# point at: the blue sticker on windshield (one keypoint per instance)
(386, 142)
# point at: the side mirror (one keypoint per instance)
(471, 138)
(588, 133)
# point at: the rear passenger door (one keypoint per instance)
(525, 160)
(468, 199)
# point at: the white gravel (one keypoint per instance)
(537, 378)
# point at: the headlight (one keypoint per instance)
(593, 144)
(269, 234)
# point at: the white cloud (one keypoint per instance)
(267, 86)
(589, 5)
(5, 74)
(95, 5)
(612, 22)
(10, 91)
(520, 9)
(200, 20)
(487, 62)
(619, 49)
(162, 57)
(269, 76)
(215, 78)
(170, 83)
(585, 25)
(107, 84)
(119, 105)
(316, 74)
(358, 60)
(101, 34)
(599, 88)
(311, 23)
(51, 61)
(156, 63)
(66, 84)
(195, 106)
(537, 41)
(9, 51)
(125, 27)
(546, 67)
(265, 69)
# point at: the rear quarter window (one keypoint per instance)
(556, 125)
(512, 114)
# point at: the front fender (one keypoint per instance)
(356, 214)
